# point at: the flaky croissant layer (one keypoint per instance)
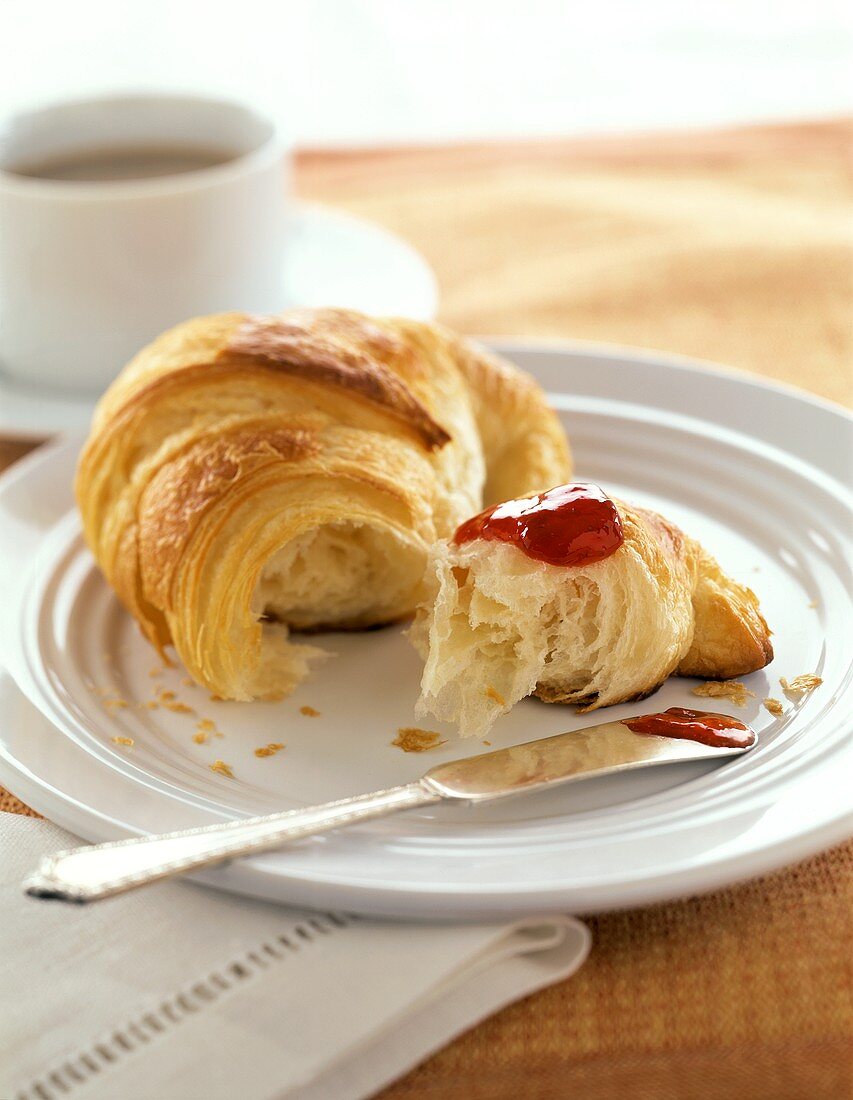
(496, 625)
(245, 475)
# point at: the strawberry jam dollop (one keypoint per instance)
(574, 524)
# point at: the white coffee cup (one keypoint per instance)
(91, 271)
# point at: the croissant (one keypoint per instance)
(245, 475)
(575, 598)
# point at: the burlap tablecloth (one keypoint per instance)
(730, 246)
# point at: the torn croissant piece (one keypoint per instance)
(576, 598)
(246, 476)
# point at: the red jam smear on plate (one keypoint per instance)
(571, 525)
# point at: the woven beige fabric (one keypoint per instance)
(744, 994)
(733, 247)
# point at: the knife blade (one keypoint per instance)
(82, 875)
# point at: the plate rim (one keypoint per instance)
(693, 364)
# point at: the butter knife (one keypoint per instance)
(86, 874)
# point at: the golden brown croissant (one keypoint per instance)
(248, 474)
(631, 601)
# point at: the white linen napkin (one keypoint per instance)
(176, 992)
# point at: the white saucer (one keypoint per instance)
(754, 471)
(331, 258)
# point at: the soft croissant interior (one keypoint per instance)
(339, 576)
(497, 626)
(502, 624)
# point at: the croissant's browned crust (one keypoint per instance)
(248, 474)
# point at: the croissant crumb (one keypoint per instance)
(412, 739)
(269, 750)
(309, 712)
(222, 768)
(801, 685)
(734, 690)
(179, 708)
(128, 741)
(774, 706)
(205, 729)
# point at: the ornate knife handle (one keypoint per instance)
(87, 874)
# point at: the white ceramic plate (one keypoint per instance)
(754, 471)
(330, 258)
